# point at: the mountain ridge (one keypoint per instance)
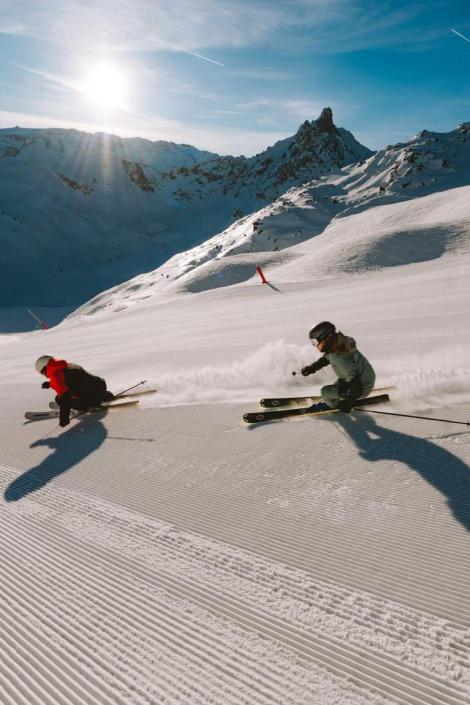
(317, 147)
(324, 208)
(98, 209)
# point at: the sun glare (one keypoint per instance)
(105, 86)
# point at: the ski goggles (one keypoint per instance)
(323, 344)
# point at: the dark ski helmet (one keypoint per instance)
(322, 335)
(42, 362)
(321, 331)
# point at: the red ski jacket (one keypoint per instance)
(55, 374)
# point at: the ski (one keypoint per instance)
(54, 404)
(259, 416)
(55, 413)
(273, 402)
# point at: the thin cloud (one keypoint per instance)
(14, 28)
(281, 111)
(228, 140)
(184, 25)
(62, 81)
(265, 74)
(76, 87)
(191, 26)
(8, 119)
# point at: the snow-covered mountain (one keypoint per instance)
(80, 212)
(316, 148)
(74, 207)
(414, 196)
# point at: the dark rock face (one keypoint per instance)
(325, 121)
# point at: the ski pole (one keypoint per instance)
(142, 381)
(412, 416)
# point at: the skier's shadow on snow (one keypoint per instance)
(444, 471)
(68, 449)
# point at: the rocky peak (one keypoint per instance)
(309, 131)
(304, 131)
(325, 122)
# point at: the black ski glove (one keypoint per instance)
(315, 366)
(46, 385)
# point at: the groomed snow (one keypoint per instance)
(172, 554)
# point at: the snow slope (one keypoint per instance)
(401, 233)
(75, 211)
(173, 554)
(393, 190)
(80, 213)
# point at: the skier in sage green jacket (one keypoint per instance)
(356, 377)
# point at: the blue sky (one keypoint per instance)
(235, 76)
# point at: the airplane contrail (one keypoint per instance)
(460, 35)
(178, 48)
(193, 53)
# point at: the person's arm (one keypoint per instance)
(55, 373)
(315, 366)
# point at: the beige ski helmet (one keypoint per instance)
(42, 362)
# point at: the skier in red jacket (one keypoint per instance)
(76, 388)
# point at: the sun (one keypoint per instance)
(105, 85)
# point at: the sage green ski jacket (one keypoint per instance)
(349, 363)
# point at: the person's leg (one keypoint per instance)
(330, 395)
(366, 390)
(97, 392)
(102, 393)
(79, 404)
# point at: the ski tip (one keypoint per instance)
(369, 401)
(379, 398)
(253, 417)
